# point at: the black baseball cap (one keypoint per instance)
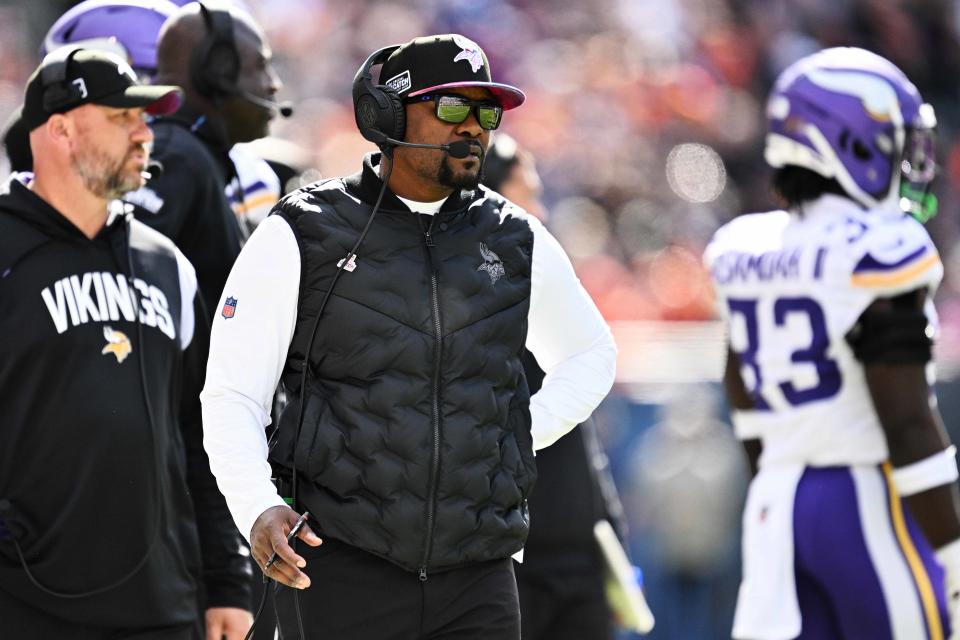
(448, 61)
(91, 77)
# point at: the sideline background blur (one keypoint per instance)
(646, 119)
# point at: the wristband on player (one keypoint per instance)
(933, 471)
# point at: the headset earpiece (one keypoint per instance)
(58, 94)
(377, 108)
(215, 62)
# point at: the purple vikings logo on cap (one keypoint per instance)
(471, 52)
(229, 308)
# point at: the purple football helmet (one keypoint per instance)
(237, 4)
(850, 115)
(127, 27)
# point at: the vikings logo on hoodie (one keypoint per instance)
(117, 343)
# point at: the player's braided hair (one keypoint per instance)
(795, 186)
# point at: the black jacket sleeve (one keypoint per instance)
(226, 570)
(178, 189)
(195, 213)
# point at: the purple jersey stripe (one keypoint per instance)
(256, 186)
(259, 184)
(869, 263)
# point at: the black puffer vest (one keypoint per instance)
(415, 443)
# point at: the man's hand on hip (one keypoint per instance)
(269, 536)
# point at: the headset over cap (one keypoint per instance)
(421, 66)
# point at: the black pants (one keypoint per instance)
(21, 621)
(358, 596)
(563, 607)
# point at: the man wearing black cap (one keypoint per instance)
(394, 305)
(101, 331)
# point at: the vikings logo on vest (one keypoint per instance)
(471, 52)
(101, 296)
(117, 343)
(229, 308)
(491, 264)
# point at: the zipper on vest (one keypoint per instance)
(435, 399)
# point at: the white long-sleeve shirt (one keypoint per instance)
(566, 334)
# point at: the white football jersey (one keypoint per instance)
(791, 287)
(260, 185)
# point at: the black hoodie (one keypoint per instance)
(98, 455)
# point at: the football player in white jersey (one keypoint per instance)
(256, 189)
(851, 528)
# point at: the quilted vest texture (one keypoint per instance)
(415, 443)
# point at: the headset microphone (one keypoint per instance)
(458, 149)
(285, 108)
(154, 170)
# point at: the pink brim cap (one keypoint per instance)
(166, 105)
(509, 97)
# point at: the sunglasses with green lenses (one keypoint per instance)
(454, 109)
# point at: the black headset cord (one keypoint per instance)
(158, 485)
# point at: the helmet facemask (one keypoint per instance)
(918, 167)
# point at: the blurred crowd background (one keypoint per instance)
(646, 118)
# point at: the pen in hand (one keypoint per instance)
(290, 536)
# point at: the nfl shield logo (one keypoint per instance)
(229, 308)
